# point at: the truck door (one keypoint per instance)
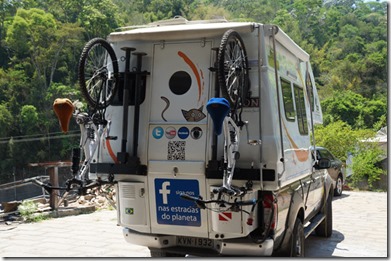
(177, 136)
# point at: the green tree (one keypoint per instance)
(29, 119)
(36, 37)
(354, 109)
(365, 160)
(98, 18)
(205, 12)
(338, 137)
(5, 120)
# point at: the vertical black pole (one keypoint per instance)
(216, 94)
(137, 102)
(123, 155)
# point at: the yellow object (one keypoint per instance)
(63, 109)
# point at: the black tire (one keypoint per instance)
(296, 243)
(161, 253)
(232, 69)
(338, 186)
(325, 229)
(98, 71)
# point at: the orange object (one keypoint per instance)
(63, 109)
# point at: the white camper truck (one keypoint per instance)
(205, 127)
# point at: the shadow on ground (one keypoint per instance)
(322, 247)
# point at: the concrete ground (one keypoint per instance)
(360, 227)
(360, 230)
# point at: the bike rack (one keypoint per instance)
(128, 164)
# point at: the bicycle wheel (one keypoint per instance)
(98, 70)
(232, 69)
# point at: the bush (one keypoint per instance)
(340, 139)
(28, 210)
(365, 165)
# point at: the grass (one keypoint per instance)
(28, 210)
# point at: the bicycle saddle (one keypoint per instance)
(218, 108)
(63, 109)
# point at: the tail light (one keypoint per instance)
(270, 210)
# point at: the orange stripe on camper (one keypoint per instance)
(194, 69)
(111, 152)
(301, 154)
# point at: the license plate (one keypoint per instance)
(194, 242)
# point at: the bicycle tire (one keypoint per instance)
(232, 61)
(98, 72)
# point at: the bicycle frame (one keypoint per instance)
(91, 134)
(231, 151)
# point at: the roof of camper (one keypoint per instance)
(179, 28)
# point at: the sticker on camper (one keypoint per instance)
(129, 211)
(196, 133)
(171, 209)
(158, 132)
(183, 133)
(170, 132)
(176, 150)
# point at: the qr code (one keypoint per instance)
(176, 150)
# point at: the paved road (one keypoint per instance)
(360, 227)
(360, 230)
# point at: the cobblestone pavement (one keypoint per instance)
(360, 230)
(360, 227)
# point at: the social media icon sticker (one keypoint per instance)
(183, 133)
(170, 205)
(170, 132)
(196, 133)
(158, 132)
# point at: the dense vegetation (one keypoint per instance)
(41, 41)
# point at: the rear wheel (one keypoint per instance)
(338, 186)
(297, 240)
(232, 69)
(325, 229)
(98, 70)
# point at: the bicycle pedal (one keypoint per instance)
(111, 138)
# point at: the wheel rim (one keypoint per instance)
(98, 77)
(339, 185)
(233, 68)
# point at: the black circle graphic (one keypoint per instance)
(180, 82)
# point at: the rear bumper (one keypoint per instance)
(236, 247)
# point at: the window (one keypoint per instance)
(288, 100)
(325, 154)
(310, 91)
(301, 111)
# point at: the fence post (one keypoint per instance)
(53, 176)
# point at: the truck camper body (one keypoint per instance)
(172, 149)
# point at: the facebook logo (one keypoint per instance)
(164, 191)
(171, 209)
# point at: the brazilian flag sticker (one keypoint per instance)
(129, 211)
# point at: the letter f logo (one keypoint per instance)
(164, 191)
